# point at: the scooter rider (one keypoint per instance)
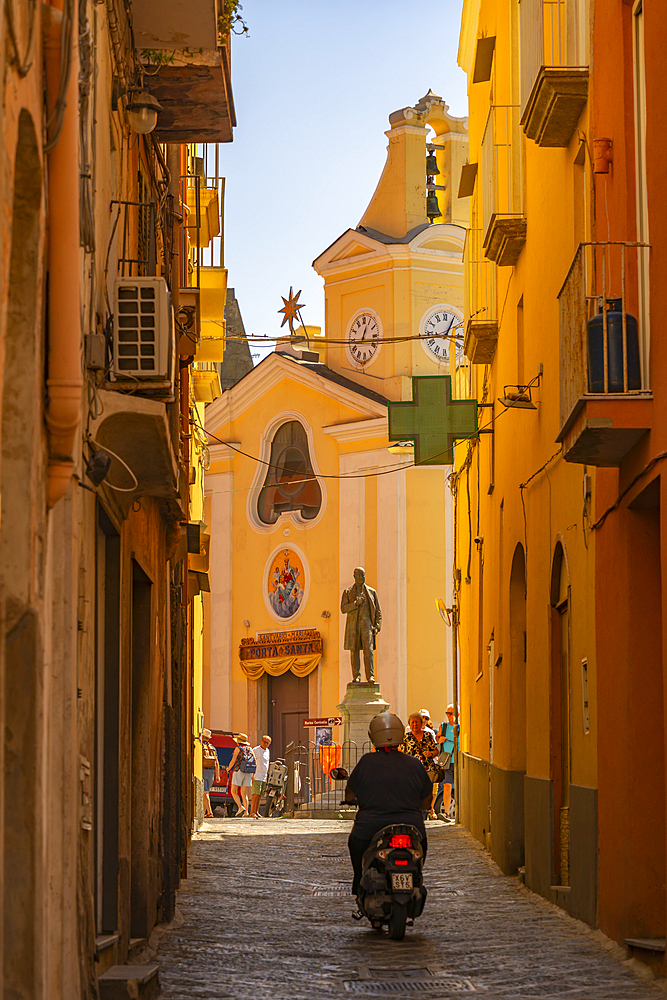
(388, 786)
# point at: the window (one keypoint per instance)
(290, 483)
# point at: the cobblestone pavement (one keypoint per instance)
(266, 912)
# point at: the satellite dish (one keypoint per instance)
(444, 611)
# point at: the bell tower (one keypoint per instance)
(394, 284)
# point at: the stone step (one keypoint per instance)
(130, 982)
(647, 944)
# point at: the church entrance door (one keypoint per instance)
(288, 707)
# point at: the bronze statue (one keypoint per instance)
(364, 620)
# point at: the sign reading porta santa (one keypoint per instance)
(277, 652)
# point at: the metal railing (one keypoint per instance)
(141, 238)
(480, 280)
(501, 174)
(207, 156)
(309, 785)
(548, 36)
(607, 280)
(202, 192)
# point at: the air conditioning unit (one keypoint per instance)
(142, 330)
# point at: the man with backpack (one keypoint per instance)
(243, 766)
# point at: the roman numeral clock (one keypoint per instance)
(438, 324)
(363, 337)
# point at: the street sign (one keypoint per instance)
(334, 720)
(432, 419)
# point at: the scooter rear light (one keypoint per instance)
(401, 840)
(400, 862)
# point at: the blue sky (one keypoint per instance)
(314, 84)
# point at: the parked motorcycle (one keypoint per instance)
(391, 888)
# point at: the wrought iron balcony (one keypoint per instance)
(481, 333)
(503, 219)
(554, 83)
(605, 403)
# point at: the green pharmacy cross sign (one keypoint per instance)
(433, 420)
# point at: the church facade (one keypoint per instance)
(304, 484)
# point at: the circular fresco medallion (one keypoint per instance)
(286, 583)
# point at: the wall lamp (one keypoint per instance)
(142, 111)
(141, 107)
(518, 397)
(246, 623)
(326, 614)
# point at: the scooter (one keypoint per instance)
(276, 780)
(391, 888)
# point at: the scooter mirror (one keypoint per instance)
(339, 774)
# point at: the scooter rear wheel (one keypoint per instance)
(397, 921)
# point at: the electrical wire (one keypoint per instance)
(647, 468)
(259, 339)
(383, 471)
(119, 489)
(22, 64)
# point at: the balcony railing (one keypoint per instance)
(203, 275)
(481, 334)
(603, 351)
(554, 83)
(503, 220)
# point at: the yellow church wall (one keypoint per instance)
(426, 569)
(317, 541)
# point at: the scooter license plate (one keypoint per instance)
(401, 880)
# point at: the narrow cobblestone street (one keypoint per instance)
(266, 912)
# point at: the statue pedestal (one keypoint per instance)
(362, 701)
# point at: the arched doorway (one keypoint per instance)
(288, 707)
(561, 714)
(518, 653)
(21, 653)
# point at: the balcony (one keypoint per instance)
(554, 85)
(203, 294)
(605, 405)
(189, 67)
(503, 219)
(206, 382)
(481, 334)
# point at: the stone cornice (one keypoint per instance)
(357, 430)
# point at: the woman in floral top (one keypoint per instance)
(420, 744)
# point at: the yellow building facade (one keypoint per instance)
(524, 548)
(302, 486)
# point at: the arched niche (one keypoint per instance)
(518, 656)
(21, 652)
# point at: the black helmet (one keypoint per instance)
(386, 730)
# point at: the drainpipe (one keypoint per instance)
(64, 380)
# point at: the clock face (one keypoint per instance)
(437, 326)
(363, 337)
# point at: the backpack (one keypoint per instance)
(247, 762)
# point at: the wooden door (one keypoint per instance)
(288, 707)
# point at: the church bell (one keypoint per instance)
(432, 209)
(431, 165)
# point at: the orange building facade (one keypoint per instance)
(560, 523)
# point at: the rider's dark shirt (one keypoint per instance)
(389, 788)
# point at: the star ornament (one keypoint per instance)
(291, 309)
